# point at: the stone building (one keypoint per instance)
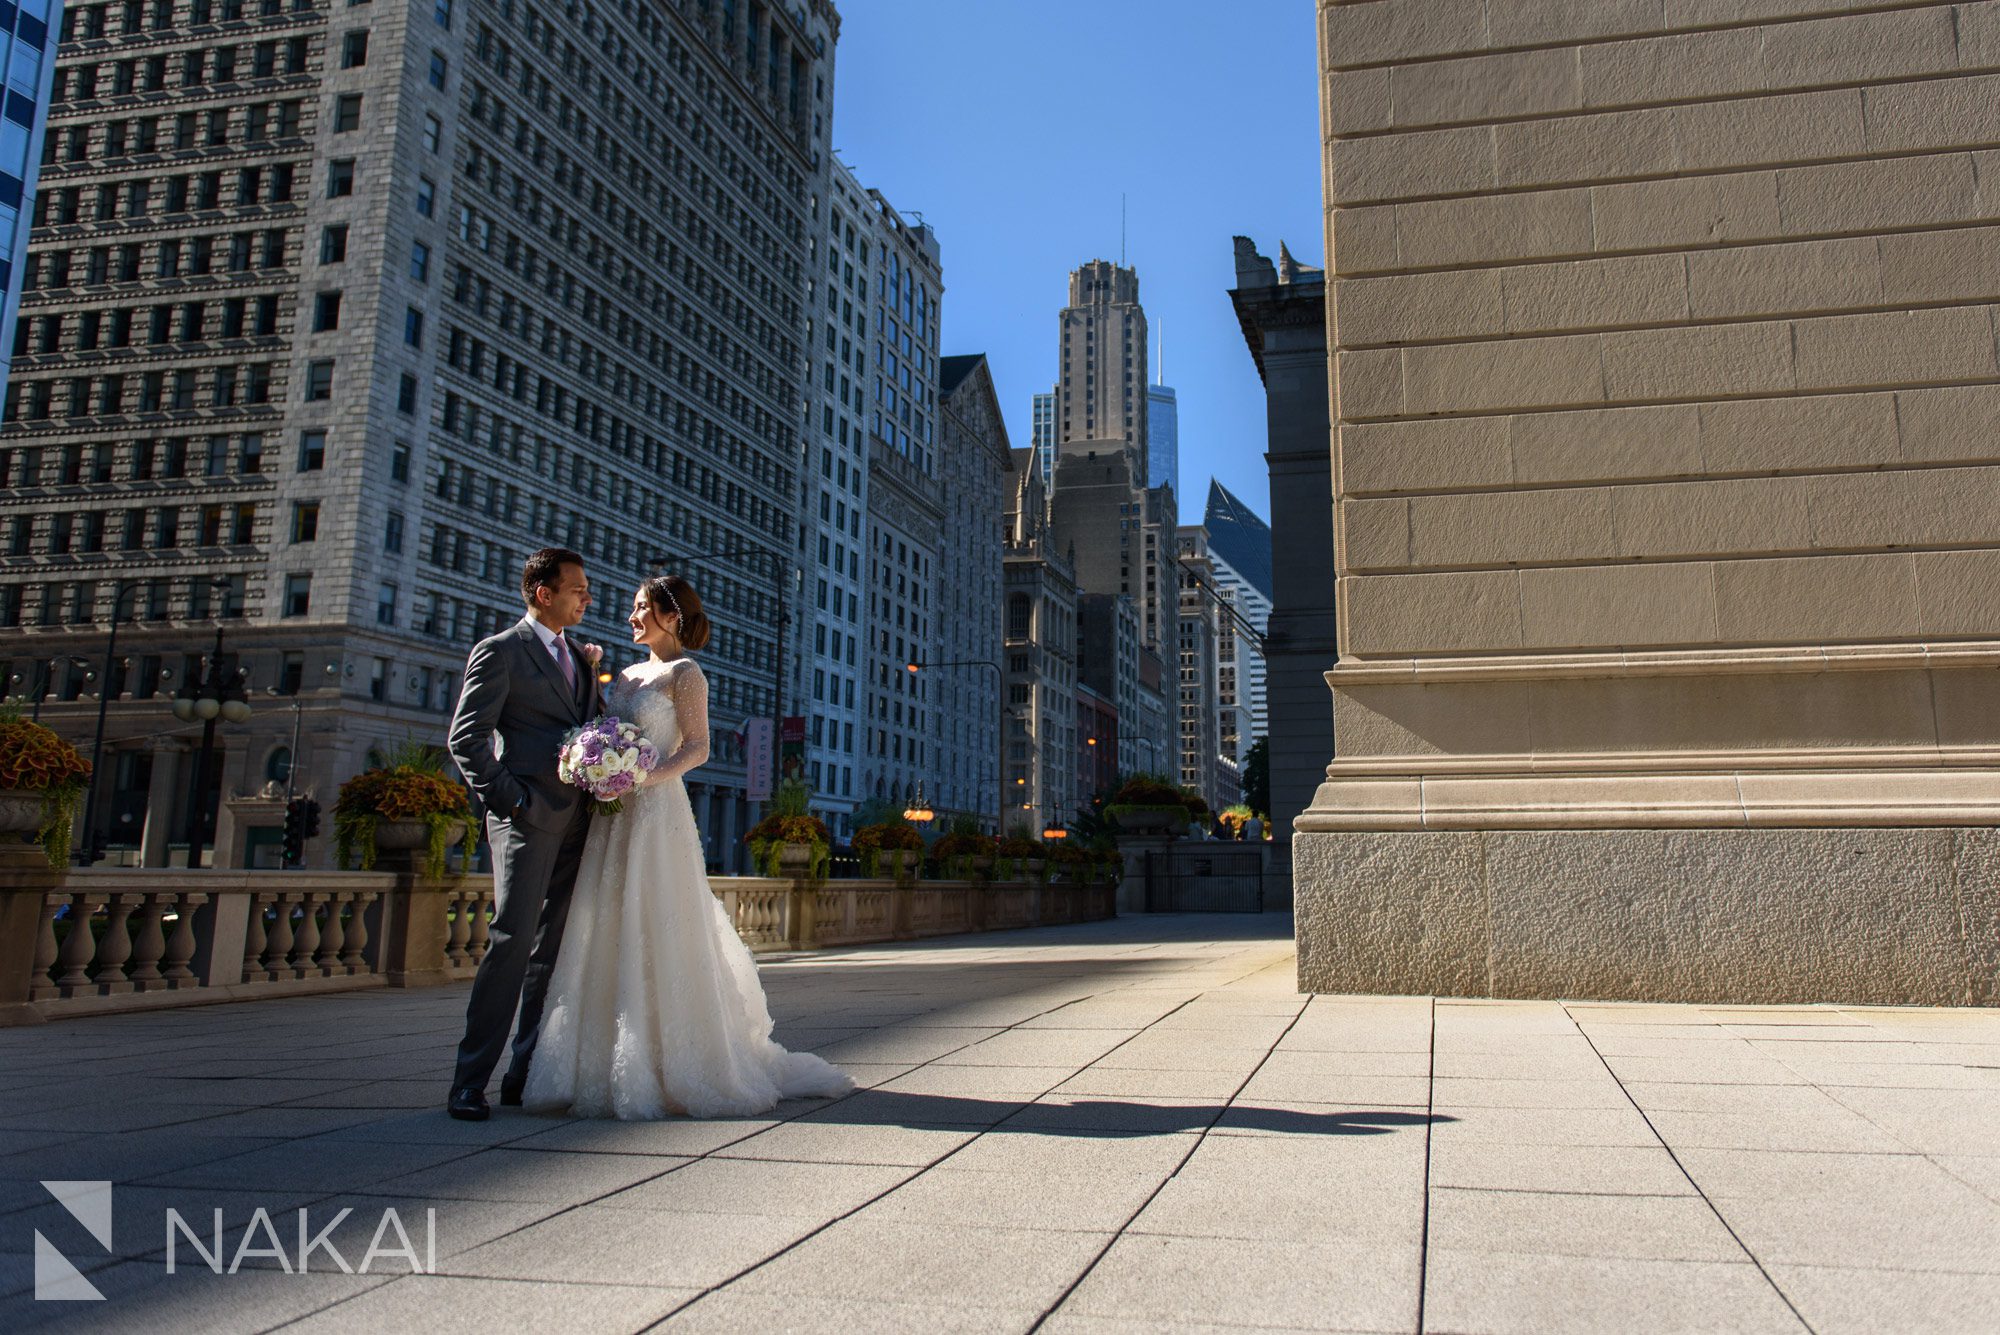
(353, 307)
(1040, 636)
(905, 509)
(1282, 310)
(1665, 385)
(975, 472)
(1203, 766)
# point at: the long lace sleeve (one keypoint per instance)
(688, 689)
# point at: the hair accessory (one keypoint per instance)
(668, 589)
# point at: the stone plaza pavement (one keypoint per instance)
(1135, 1125)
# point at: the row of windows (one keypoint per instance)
(195, 256)
(168, 459)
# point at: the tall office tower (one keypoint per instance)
(1043, 440)
(28, 46)
(905, 519)
(1101, 382)
(1239, 553)
(1201, 766)
(976, 467)
(834, 500)
(351, 308)
(1041, 635)
(1163, 438)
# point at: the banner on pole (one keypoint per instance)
(792, 747)
(757, 743)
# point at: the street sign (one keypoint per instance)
(757, 745)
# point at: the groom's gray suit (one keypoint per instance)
(511, 717)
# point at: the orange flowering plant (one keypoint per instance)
(410, 785)
(34, 759)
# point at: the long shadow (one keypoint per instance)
(1100, 1117)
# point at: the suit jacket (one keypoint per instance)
(513, 711)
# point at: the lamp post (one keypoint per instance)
(87, 855)
(999, 689)
(217, 696)
(782, 570)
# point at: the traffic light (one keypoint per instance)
(295, 831)
(312, 818)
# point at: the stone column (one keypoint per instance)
(165, 802)
(1666, 482)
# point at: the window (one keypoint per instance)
(433, 132)
(413, 327)
(326, 312)
(346, 113)
(333, 244)
(319, 381)
(305, 521)
(298, 595)
(399, 461)
(406, 395)
(378, 680)
(420, 262)
(354, 49)
(426, 196)
(312, 451)
(392, 533)
(340, 179)
(442, 13)
(437, 70)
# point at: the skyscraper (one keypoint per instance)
(28, 53)
(348, 310)
(1163, 438)
(1043, 438)
(1101, 384)
(1239, 554)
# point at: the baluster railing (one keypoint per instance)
(332, 935)
(79, 947)
(181, 946)
(305, 936)
(278, 944)
(478, 901)
(150, 944)
(354, 947)
(41, 985)
(256, 939)
(461, 932)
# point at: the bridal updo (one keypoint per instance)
(668, 594)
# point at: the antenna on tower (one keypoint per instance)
(1160, 346)
(1121, 229)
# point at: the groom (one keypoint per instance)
(524, 688)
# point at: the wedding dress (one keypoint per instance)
(655, 1007)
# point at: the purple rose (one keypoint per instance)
(649, 756)
(620, 784)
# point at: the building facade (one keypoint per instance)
(1043, 437)
(1664, 404)
(1040, 634)
(1163, 438)
(349, 309)
(1203, 767)
(975, 467)
(905, 519)
(1239, 552)
(29, 43)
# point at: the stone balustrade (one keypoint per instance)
(89, 940)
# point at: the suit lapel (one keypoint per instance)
(586, 680)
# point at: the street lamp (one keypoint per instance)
(783, 567)
(919, 810)
(87, 855)
(218, 695)
(999, 689)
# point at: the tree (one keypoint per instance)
(1257, 775)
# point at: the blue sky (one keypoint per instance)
(1013, 126)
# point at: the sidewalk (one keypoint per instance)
(1135, 1125)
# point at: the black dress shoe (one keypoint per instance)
(510, 1095)
(468, 1105)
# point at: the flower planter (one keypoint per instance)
(795, 859)
(20, 813)
(900, 863)
(1037, 868)
(1150, 820)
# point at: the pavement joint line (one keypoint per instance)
(1734, 1236)
(1430, 1143)
(1200, 1138)
(920, 1170)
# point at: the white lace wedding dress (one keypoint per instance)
(654, 1007)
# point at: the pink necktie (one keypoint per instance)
(562, 657)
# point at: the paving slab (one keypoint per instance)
(1131, 1126)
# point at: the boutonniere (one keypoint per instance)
(592, 653)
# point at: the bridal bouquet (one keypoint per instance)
(606, 758)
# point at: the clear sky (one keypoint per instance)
(1014, 125)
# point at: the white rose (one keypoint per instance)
(597, 773)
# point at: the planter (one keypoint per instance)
(982, 867)
(900, 863)
(1037, 868)
(1150, 820)
(795, 859)
(408, 843)
(20, 813)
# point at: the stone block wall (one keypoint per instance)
(1666, 375)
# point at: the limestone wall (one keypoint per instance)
(1665, 343)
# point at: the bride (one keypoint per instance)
(655, 1007)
